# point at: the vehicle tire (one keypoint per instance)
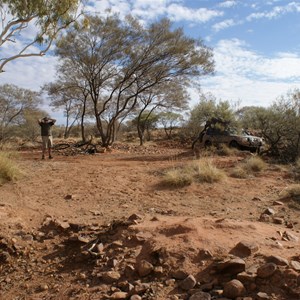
(234, 144)
(207, 144)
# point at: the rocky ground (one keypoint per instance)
(102, 226)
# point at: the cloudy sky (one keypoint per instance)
(255, 43)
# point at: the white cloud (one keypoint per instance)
(223, 25)
(228, 4)
(180, 13)
(98, 7)
(244, 75)
(30, 73)
(276, 12)
(151, 9)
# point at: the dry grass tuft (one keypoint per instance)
(206, 171)
(224, 150)
(9, 146)
(9, 171)
(249, 167)
(255, 164)
(178, 177)
(292, 191)
(239, 172)
(201, 170)
(295, 170)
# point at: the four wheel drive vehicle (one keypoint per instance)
(243, 141)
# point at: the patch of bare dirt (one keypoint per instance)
(103, 227)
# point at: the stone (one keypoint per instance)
(129, 270)
(269, 211)
(277, 260)
(217, 292)
(188, 283)
(265, 218)
(279, 203)
(100, 248)
(140, 288)
(288, 236)
(43, 287)
(277, 278)
(28, 237)
(266, 270)
(200, 296)
(278, 220)
(62, 225)
(170, 282)
(295, 265)
(244, 249)
(233, 289)
(135, 297)
(119, 295)
(179, 274)
(68, 197)
(232, 267)
(204, 254)
(262, 296)
(144, 268)
(159, 270)
(290, 274)
(207, 286)
(134, 217)
(111, 276)
(245, 277)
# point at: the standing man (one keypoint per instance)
(46, 124)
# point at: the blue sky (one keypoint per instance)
(256, 45)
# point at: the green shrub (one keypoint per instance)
(9, 171)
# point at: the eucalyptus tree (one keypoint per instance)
(166, 97)
(14, 101)
(279, 124)
(65, 98)
(119, 60)
(208, 107)
(46, 18)
(145, 122)
(282, 127)
(170, 120)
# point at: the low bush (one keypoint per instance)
(9, 171)
(255, 164)
(178, 177)
(201, 170)
(224, 150)
(239, 172)
(206, 171)
(292, 191)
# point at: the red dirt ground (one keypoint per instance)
(95, 190)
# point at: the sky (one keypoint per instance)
(255, 43)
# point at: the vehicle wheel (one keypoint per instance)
(234, 144)
(208, 144)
